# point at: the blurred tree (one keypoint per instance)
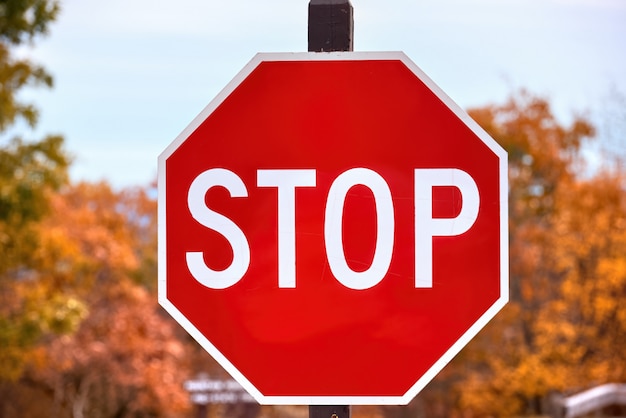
(29, 175)
(140, 208)
(21, 21)
(125, 358)
(30, 172)
(88, 240)
(582, 333)
(574, 339)
(561, 329)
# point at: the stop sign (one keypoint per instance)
(333, 228)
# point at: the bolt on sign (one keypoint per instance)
(333, 228)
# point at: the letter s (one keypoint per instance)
(221, 224)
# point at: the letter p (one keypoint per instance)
(427, 227)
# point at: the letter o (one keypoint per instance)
(333, 222)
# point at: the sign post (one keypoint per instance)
(333, 229)
(331, 28)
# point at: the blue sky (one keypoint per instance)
(131, 74)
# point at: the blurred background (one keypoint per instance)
(91, 92)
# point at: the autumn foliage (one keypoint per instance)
(564, 326)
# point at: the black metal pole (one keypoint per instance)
(201, 410)
(330, 411)
(331, 28)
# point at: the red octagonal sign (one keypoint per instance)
(333, 228)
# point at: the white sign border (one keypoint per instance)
(453, 350)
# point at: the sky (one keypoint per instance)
(130, 75)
